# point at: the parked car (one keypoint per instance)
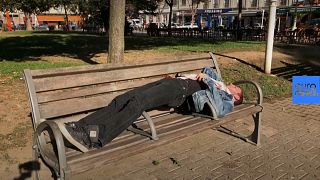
(21, 27)
(136, 24)
(188, 26)
(315, 21)
(257, 26)
(42, 27)
(175, 25)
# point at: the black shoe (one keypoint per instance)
(79, 133)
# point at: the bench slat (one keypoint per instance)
(72, 106)
(77, 80)
(103, 67)
(49, 96)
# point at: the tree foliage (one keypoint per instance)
(32, 6)
(193, 5)
(147, 6)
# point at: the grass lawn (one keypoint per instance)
(38, 50)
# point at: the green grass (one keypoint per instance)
(14, 69)
(168, 45)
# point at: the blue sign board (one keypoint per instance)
(306, 89)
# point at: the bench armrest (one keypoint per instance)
(61, 165)
(257, 87)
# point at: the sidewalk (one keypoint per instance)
(290, 149)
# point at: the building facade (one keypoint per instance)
(223, 12)
(55, 18)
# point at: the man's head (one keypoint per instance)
(237, 93)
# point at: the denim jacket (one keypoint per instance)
(220, 100)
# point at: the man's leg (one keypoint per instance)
(114, 106)
(126, 108)
(154, 96)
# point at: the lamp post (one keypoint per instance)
(294, 27)
(269, 47)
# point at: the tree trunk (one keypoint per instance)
(192, 18)
(66, 16)
(239, 31)
(116, 31)
(28, 21)
(170, 17)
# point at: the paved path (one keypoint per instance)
(290, 149)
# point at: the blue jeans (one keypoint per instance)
(126, 108)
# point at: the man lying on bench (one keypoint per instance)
(102, 126)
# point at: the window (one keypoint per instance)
(226, 3)
(184, 2)
(283, 2)
(254, 3)
(206, 5)
(216, 4)
(175, 2)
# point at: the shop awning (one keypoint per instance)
(57, 18)
(49, 18)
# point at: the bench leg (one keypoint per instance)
(254, 138)
(35, 158)
(153, 133)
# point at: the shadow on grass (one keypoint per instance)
(241, 61)
(84, 46)
(307, 58)
(302, 69)
(33, 47)
(75, 45)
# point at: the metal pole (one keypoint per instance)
(294, 27)
(279, 23)
(269, 47)
(262, 18)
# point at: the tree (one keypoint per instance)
(29, 7)
(170, 4)
(193, 5)
(116, 31)
(71, 5)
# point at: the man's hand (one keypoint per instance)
(200, 76)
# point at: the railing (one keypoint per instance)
(306, 36)
(222, 34)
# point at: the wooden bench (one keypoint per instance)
(68, 94)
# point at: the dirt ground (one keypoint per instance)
(15, 121)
